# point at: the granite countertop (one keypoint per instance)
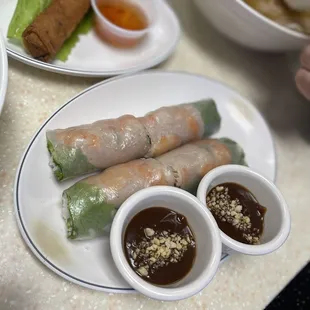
(243, 282)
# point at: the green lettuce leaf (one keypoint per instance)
(83, 28)
(27, 10)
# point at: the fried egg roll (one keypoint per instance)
(44, 37)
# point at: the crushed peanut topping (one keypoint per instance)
(159, 245)
(158, 249)
(234, 215)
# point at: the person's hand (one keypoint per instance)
(303, 74)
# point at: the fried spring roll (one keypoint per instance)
(87, 148)
(90, 204)
(44, 37)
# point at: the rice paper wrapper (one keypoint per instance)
(171, 127)
(84, 149)
(209, 115)
(86, 212)
(193, 161)
(89, 205)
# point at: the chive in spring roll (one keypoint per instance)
(90, 204)
(84, 149)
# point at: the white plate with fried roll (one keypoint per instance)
(60, 36)
(152, 128)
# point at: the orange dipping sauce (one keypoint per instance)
(123, 15)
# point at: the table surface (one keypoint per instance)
(242, 282)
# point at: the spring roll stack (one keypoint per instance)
(87, 148)
(90, 204)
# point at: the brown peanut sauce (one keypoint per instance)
(159, 245)
(237, 212)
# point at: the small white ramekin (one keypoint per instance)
(120, 36)
(203, 225)
(277, 217)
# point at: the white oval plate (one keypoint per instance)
(38, 195)
(92, 57)
(3, 71)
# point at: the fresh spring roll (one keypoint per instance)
(198, 158)
(171, 127)
(87, 148)
(90, 204)
(44, 37)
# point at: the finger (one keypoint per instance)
(303, 82)
(305, 57)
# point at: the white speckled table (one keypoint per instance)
(242, 282)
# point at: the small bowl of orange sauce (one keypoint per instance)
(124, 23)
